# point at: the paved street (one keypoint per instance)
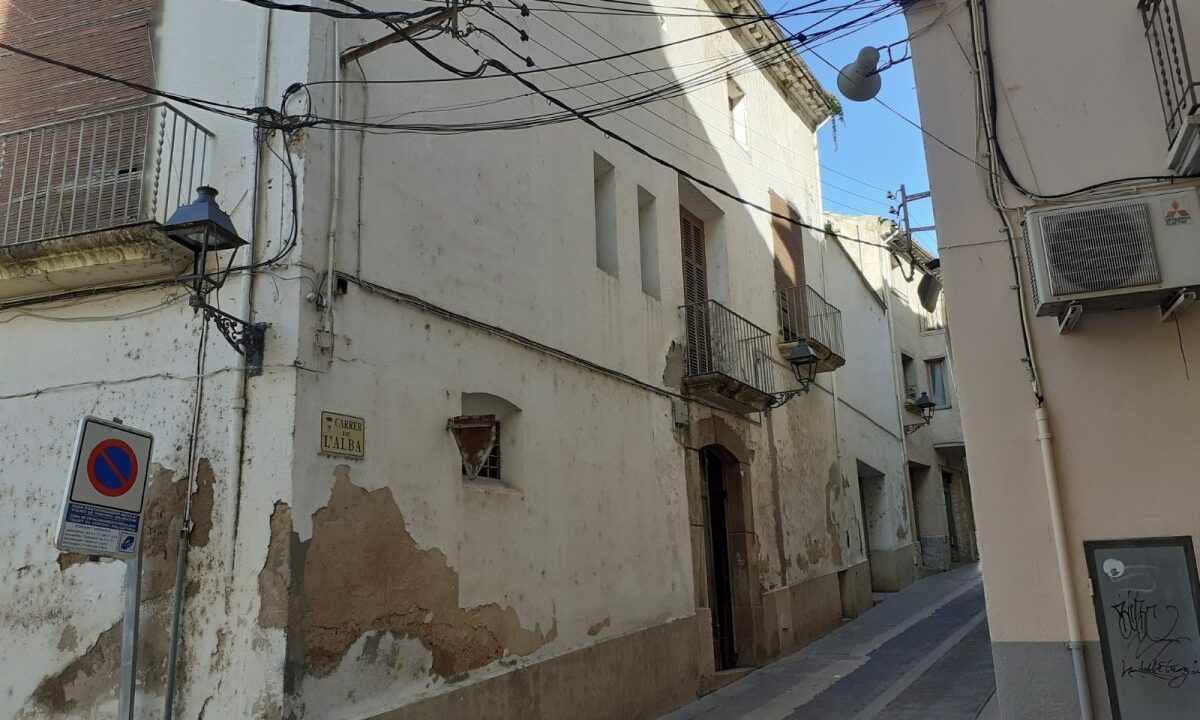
(921, 654)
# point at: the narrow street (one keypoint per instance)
(923, 653)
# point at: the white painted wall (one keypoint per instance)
(133, 356)
(1073, 112)
(494, 226)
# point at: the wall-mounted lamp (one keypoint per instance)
(859, 81)
(926, 407)
(803, 360)
(203, 227)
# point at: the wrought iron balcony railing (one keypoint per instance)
(1178, 90)
(100, 172)
(805, 316)
(722, 343)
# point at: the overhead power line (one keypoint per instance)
(234, 111)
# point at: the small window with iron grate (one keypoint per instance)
(490, 470)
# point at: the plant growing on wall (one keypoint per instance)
(837, 115)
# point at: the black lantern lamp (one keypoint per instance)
(926, 407)
(803, 360)
(203, 227)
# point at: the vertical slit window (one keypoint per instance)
(648, 238)
(605, 204)
(737, 113)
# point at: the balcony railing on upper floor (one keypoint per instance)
(1178, 90)
(805, 316)
(728, 358)
(100, 172)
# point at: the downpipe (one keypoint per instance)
(1065, 574)
(238, 404)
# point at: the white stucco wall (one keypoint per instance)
(133, 355)
(1063, 125)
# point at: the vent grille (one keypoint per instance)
(1032, 277)
(1100, 248)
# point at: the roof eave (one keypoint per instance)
(804, 93)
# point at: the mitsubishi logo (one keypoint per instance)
(1178, 215)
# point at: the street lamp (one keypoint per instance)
(859, 81)
(803, 360)
(202, 227)
(926, 407)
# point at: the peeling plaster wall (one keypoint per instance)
(62, 612)
(868, 421)
(133, 355)
(585, 540)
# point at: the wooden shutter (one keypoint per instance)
(789, 272)
(789, 246)
(695, 292)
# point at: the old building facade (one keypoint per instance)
(647, 514)
(1076, 398)
(922, 363)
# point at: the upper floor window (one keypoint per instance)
(935, 319)
(605, 204)
(937, 382)
(737, 113)
(912, 387)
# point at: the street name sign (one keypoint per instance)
(102, 506)
(343, 435)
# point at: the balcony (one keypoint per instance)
(729, 361)
(805, 316)
(80, 200)
(1178, 91)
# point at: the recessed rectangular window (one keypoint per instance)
(648, 237)
(605, 204)
(912, 387)
(737, 113)
(937, 382)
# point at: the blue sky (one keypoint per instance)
(875, 147)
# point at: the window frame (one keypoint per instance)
(944, 370)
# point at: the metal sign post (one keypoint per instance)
(127, 686)
(102, 515)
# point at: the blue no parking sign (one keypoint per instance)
(102, 507)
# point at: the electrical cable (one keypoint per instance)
(761, 134)
(786, 52)
(496, 64)
(386, 15)
(631, 53)
(989, 73)
(212, 106)
(548, 118)
(666, 163)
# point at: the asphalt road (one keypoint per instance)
(923, 653)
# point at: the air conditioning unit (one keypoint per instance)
(1135, 251)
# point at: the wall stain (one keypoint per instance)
(672, 375)
(833, 528)
(362, 571)
(70, 559)
(90, 678)
(68, 639)
(273, 579)
(595, 628)
(202, 504)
